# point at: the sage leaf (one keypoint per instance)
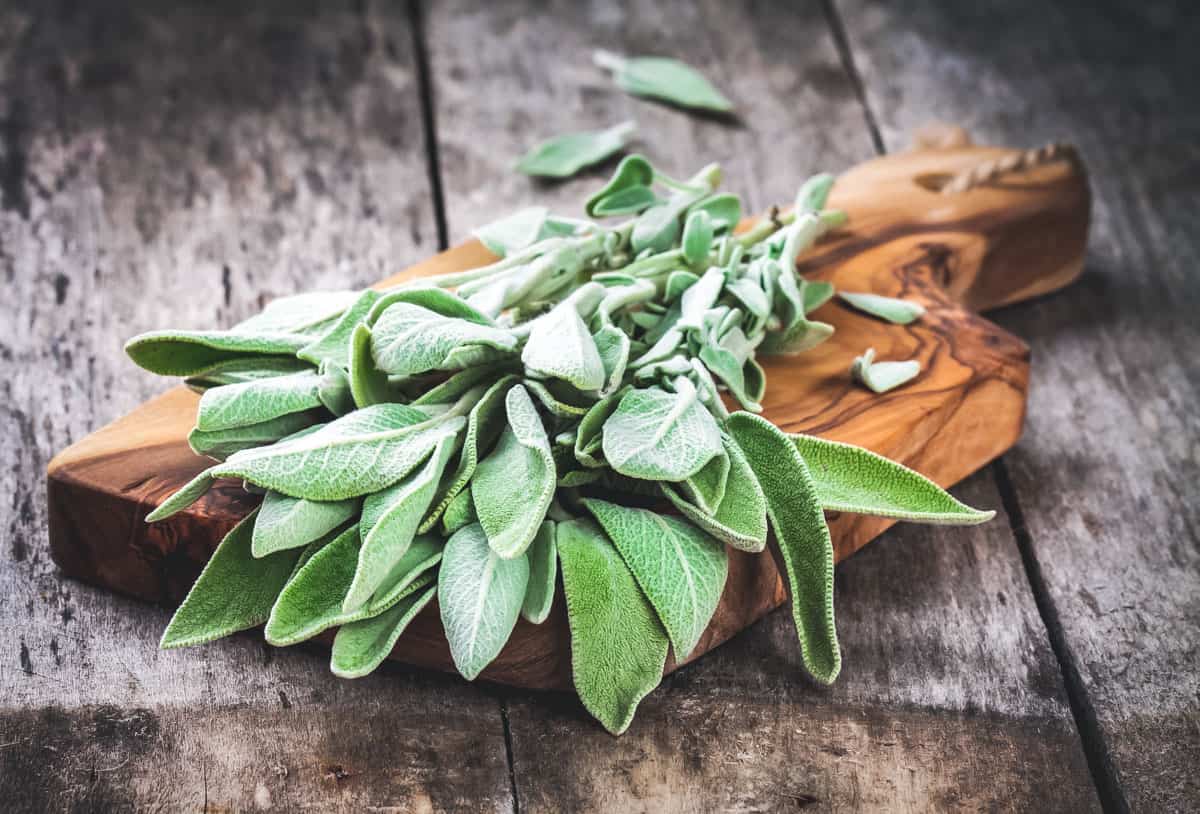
(333, 346)
(480, 596)
(221, 444)
(559, 398)
(697, 237)
(411, 572)
(665, 79)
(740, 520)
(723, 209)
(368, 384)
(880, 377)
(242, 369)
(514, 484)
(389, 522)
(408, 339)
(890, 309)
(543, 573)
(680, 568)
(360, 647)
(561, 346)
(513, 232)
(814, 193)
(299, 314)
(804, 543)
(234, 592)
(629, 201)
(459, 512)
(853, 479)
(815, 293)
(613, 346)
(363, 452)
(253, 402)
(618, 645)
(192, 353)
(655, 435)
(289, 522)
(634, 172)
(804, 335)
(707, 487)
(588, 437)
(563, 156)
(312, 599)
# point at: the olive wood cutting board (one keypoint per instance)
(1013, 238)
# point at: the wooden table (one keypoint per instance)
(178, 164)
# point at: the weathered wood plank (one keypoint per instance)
(180, 164)
(1107, 476)
(950, 696)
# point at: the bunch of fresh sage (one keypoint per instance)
(470, 437)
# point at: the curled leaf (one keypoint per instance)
(891, 309)
(563, 156)
(880, 377)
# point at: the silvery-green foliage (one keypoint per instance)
(666, 79)
(446, 438)
(892, 309)
(563, 156)
(881, 377)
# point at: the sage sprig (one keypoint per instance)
(663, 78)
(565, 410)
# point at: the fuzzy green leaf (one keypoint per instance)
(187, 494)
(618, 646)
(880, 377)
(243, 369)
(543, 572)
(240, 405)
(480, 596)
(666, 79)
(362, 646)
(803, 537)
(741, 518)
(220, 444)
(680, 568)
(333, 346)
(634, 172)
(234, 592)
(891, 309)
(289, 522)
(513, 232)
(408, 339)
(368, 384)
(560, 346)
(312, 600)
(853, 479)
(192, 353)
(513, 486)
(656, 435)
(563, 156)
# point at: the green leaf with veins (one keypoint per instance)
(220, 444)
(656, 435)
(680, 568)
(618, 645)
(290, 522)
(560, 346)
(563, 156)
(253, 402)
(740, 520)
(361, 646)
(408, 339)
(543, 573)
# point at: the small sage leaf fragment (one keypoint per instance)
(803, 537)
(892, 309)
(680, 568)
(666, 79)
(880, 377)
(235, 591)
(853, 479)
(480, 596)
(618, 645)
(563, 156)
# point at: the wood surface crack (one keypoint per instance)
(429, 121)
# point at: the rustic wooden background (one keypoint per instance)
(179, 163)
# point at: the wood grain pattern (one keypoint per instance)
(904, 240)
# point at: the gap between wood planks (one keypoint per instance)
(1095, 746)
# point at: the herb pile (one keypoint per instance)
(470, 437)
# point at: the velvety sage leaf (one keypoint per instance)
(543, 572)
(187, 494)
(461, 382)
(289, 522)
(629, 201)
(740, 520)
(304, 313)
(191, 353)
(680, 568)
(239, 405)
(700, 298)
(618, 646)
(234, 592)
(411, 572)
(363, 452)
(588, 437)
(514, 484)
(804, 543)
(408, 339)
(484, 424)
(853, 479)
(480, 596)
(633, 172)
(891, 309)
(666, 79)
(389, 522)
(560, 346)
(563, 156)
(707, 487)
(513, 232)
(459, 512)
(562, 400)
(368, 384)
(679, 282)
(751, 296)
(804, 335)
(697, 237)
(880, 377)
(813, 193)
(726, 367)
(723, 208)
(815, 293)
(312, 600)
(444, 303)
(333, 346)
(241, 369)
(656, 435)
(613, 346)
(360, 647)
(220, 444)
(334, 390)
